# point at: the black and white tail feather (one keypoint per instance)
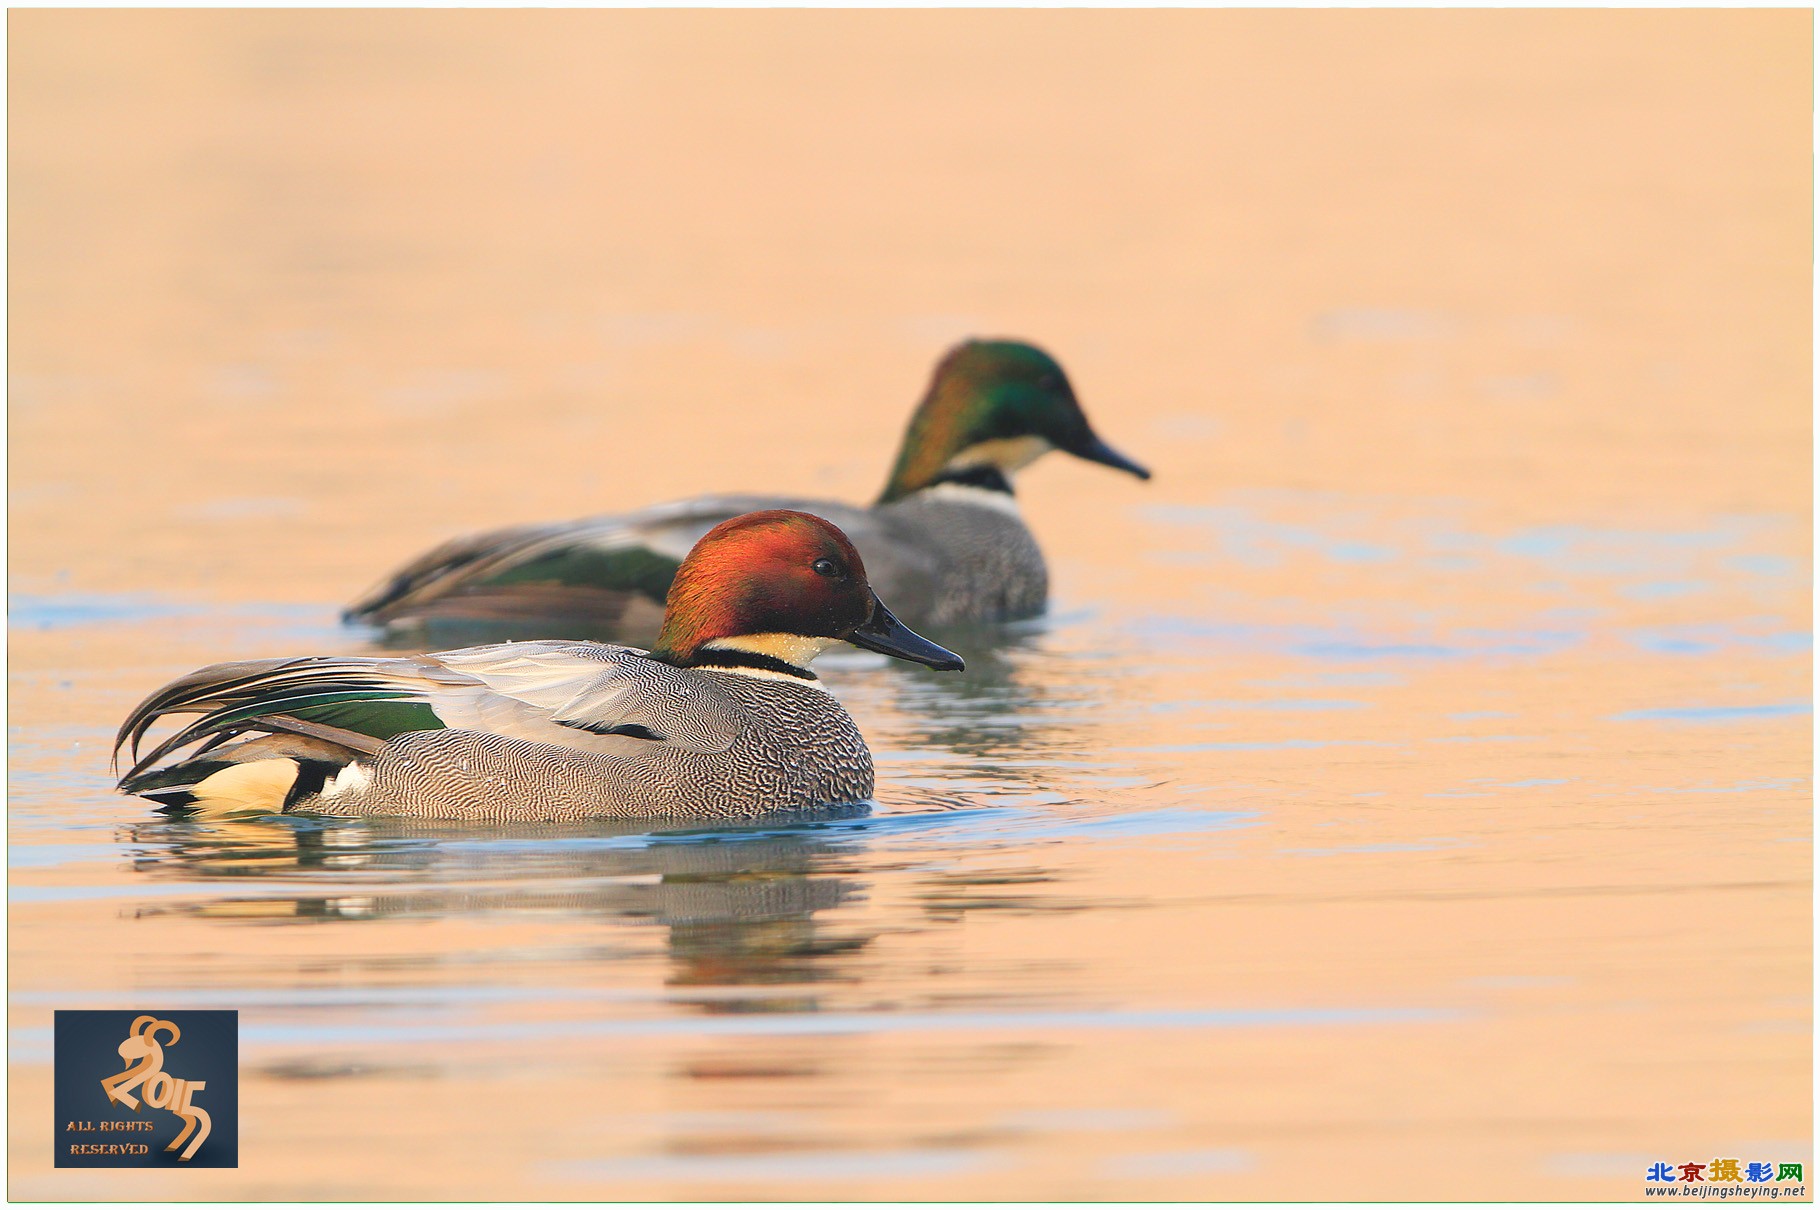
(248, 749)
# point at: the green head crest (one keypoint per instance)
(997, 404)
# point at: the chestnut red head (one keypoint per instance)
(786, 574)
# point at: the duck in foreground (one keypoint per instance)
(945, 541)
(721, 719)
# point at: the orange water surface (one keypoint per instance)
(1408, 796)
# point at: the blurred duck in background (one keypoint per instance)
(945, 541)
(721, 720)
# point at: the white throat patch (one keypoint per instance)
(769, 674)
(796, 650)
(1008, 454)
(973, 497)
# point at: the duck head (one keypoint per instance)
(994, 407)
(770, 590)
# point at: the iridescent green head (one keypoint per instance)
(995, 406)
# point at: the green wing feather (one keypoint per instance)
(630, 569)
(348, 695)
(379, 719)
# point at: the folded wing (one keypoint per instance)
(609, 700)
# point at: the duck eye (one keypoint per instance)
(826, 567)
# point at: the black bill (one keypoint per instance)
(1095, 450)
(883, 633)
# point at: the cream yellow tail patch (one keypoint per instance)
(258, 785)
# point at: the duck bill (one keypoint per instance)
(883, 633)
(1095, 450)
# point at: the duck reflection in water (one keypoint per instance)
(1012, 713)
(740, 904)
